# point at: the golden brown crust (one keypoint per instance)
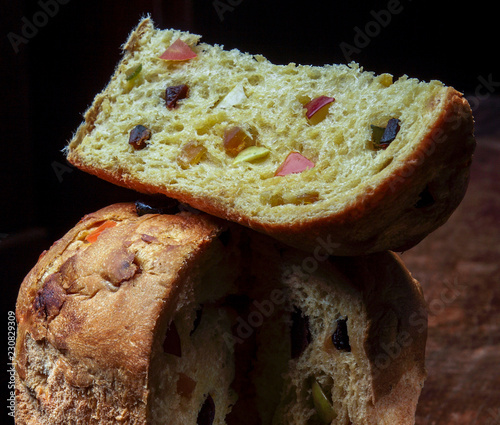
(388, 217)
(75, 362)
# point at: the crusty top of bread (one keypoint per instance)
(99, 364)
(368, 199)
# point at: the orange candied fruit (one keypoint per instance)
(191, 154)
(92, 236)
(236, 139)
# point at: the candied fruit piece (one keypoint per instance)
(323, 407)
(236, 139)
(191, 154)
(185, 385)
(92, 237)
(251, 153)
(294, 163)
(178, 51)
(235, 97)
(133, 73)
(318, 108)
(385, 79)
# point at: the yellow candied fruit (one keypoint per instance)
(250, 154)
(191, 154)
(385, 79)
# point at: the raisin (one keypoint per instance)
(138, 137)
(160, 206)
(382, 137)
(425, 199)
(225, 237)
(197, 319)
(390, 132)
(172, 343)
(206, 414)
(174, 94)
(340, 338)
(300, 335)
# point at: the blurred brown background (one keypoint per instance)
(57, 54)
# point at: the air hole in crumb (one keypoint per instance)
(425, 199)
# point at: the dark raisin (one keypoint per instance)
(206, 414)
(160, 206)
(197, 319)
(172, 342)
(382, 137)
(340, 338)
(390, 132)
(300, 335)
(225, 237)
(138, 137)
(174, 94)
(425, 199)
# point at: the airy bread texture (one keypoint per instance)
(182, 319)
(379, 377)
(364, 198)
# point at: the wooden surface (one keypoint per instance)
(458, 267)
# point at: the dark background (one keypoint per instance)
(69, 49)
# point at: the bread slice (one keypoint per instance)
(355, 327)
(344, 186)
(176, 319)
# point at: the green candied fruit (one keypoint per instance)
(321, 403)
(133, 72)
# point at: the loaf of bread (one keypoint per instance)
(182, 319)
(301, 153)
(107, 324)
